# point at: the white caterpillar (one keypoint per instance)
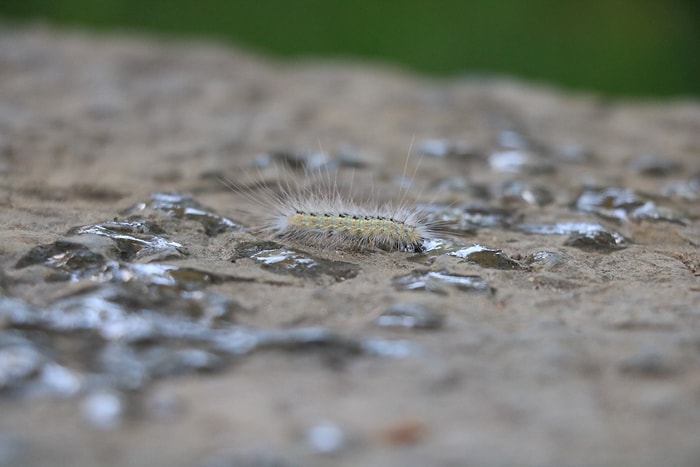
(320, 215)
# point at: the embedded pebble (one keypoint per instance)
(466, 218)
(519, 161)
(598, 240)
(460, 184)
(313, 161)
(183, 206)
(389, 348)
(522, 191)
(560, 228)
(133, 246)
(301, 338)
(585, 235)
(545, 259)
(70, 257)
(509, 161)
(70, 261)
(440, 282)
(436, 246)
(281, 260)
(284, 260)
(445, 147)
(305, 161)
(625, 204)
(486, 257)
(409, 315)
(117, 314)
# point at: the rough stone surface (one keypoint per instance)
(584, 357)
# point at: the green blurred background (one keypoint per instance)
(616, 47)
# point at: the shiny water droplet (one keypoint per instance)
(486, 257)
(104, 410)
(325, 438)
(440, 282)
(281, 260)
(625, 204)
(409, 315)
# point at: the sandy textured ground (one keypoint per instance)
(581, 355)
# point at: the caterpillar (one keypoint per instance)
(320, 215)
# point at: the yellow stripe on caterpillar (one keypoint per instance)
(367, 226)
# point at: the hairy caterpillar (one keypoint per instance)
(320, 215)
